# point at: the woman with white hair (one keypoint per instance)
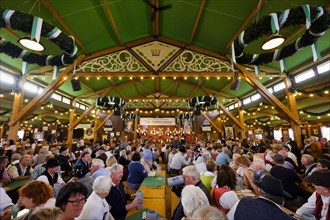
(97, 169)
(193, 198)
(209, 213)
(96, 206)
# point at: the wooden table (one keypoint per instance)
(16, 184)
(309, 189)
(153, 196)
(154, 191)
(155, 204)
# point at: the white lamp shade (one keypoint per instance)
(31, 44)
(273, 42)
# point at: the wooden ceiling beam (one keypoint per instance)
(197, 21)
(157, 82)
(211, 122)
(89, 110)
(119, 47)
(67, 28)
(254, 11)
(87, 86)
(155, 21)
(231, 116)
(160, 98)
(172, 74)
(113, 22)
(47, 92)
(96, 129)
(193, 48)
(271, 99)
(12, 33)
(211, 91)
(163, 92)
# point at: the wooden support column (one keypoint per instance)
(241, 118)
(270, 98)
(99, 124)
(1, 130)
(70, 128)
(211, 122)
(232, 117)
(135, 126)
(17, 105)
(293, 108)
(46, 93)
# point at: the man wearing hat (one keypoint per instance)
(266, 207)
(317, 206)
(50, 175)
(64, 160)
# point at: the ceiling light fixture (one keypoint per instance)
(273, 42)
(31, 44)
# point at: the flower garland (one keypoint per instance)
(319, 23)
(23, 22)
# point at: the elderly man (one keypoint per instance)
(308, 162)
(265, 207)
(191, 177)
(21, 170)
(117, 197)
(317, 206)
(259, 170)
(97, 169)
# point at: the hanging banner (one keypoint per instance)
(158, 121)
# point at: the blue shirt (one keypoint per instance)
(100, 172)
(135, 172)
(147, 155)
(222, 158)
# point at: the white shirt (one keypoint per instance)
(228, 199)
(44, 179)
(308, 208)
(95, 208)
(201, 167)
(13, 172)
(293, 157)
(5, 200)
(178, 161)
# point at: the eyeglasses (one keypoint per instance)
(77, 202)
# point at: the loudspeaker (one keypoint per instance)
(235, 84)
(75, 84)
(197, 110)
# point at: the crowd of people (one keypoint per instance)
(88, 183)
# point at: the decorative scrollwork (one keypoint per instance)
(122, 61)
(190, 61)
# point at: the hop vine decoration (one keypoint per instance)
(23, 22)
(319, 23)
